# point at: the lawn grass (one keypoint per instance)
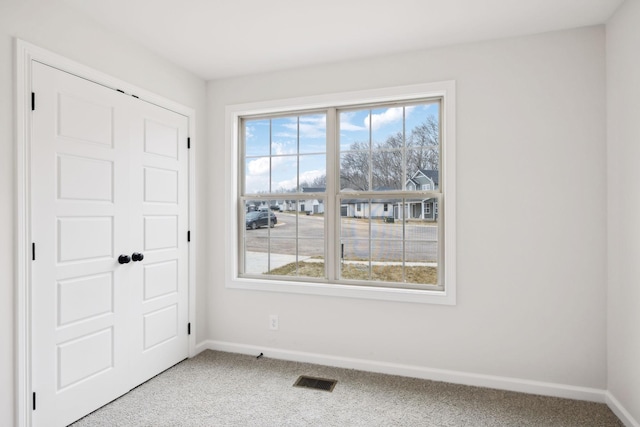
(381, 273)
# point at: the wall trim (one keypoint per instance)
(444, 375)
(620, 411)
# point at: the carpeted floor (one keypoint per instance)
(223, 389)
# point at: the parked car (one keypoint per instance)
(255, 220)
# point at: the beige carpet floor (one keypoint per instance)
(223, 389)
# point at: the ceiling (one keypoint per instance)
(222, 38)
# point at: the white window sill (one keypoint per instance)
(346, 291)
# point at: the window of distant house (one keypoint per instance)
(347, 192)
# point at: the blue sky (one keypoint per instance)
(279, 137)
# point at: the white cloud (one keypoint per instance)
(248, 130)
(391, 115)
(280, 148)
(346, 125)
(258, 166)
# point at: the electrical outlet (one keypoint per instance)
(273, 322)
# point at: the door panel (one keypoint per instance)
(97, 122)
(84, 238)
(78, 362)
(160, 215)
(82, 298)
(73, 183)
(100, 328)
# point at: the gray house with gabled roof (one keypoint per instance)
(423, 180)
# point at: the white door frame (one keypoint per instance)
(25, 54)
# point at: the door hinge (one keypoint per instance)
(33, 101)
(34, 400)
(189, 236)
(189, 328)
(33, 252)
(188, 143)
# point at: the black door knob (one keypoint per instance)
(137, 256)
(124, 259)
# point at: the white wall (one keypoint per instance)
(531, 218)
(623, 115)
(53, 25)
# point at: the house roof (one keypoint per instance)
(433, 175)
(313, 189)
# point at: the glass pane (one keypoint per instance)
(313, 173)
(354, 224)
(387, 251)
(284, 136)
(386, 232)
(354, 130)
(284, 174)
(313, 133)
(387, 127)
(256, 137)
(354, 171)
(423, 138)
(256, 178)
(311, 219)
(387, 170)
(354, 261)
(282, 259)
(421, 127)
(421, 252)
(421, 160)
(256, 254)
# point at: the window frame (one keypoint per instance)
(298, 285)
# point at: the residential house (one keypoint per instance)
(422, 180)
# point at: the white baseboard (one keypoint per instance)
(456, 377)
(620, 411)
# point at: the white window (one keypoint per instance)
(346, 149)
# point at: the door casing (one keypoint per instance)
(25, 54)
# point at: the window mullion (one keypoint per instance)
(332, 210)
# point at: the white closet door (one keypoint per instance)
(159, 226)
(104, 183)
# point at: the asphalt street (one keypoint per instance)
(421, 239)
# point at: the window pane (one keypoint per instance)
(387, 126)
(284, 136)
(284, 176)
(313, 133)
(354, 130)
(387, 170)
(257, 137)
(256, 262)
(423, 138)
(421, 160)
(354, 171)
(256, 179)
(313, 173)
(421, 251)
(281, 240)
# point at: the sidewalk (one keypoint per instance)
(259, 262)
